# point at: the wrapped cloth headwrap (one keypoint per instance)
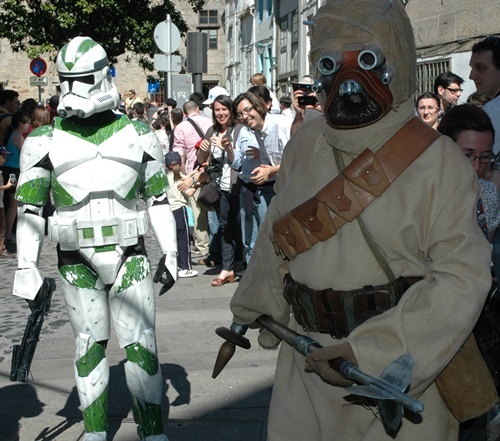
(350, 24)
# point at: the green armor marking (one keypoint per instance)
(95, 417)
(88, 233)
(148, 417)
(136, 269)
(83, 48)
(140, 356)
(61, 197)
(79, 275)
(94, 135)
(107, 231)
(141, 128)
(105, 248)
(34, 192)
(42, 131)
(90, 360)
(156, 184)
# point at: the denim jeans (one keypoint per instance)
(214, 249)
(230, 232)
(251, 218)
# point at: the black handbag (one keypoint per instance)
(209, 195)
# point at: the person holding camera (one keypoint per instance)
(304, 102)
(217, 151)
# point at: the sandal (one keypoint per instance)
(219, 282)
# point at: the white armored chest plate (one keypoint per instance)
(97, 160)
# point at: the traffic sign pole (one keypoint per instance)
(167, 38)
(169, 58)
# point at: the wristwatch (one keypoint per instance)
(195, 181)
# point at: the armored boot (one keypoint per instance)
(92, 377)
(144, 381)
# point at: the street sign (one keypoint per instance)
(153, 86)
(39, 81)
(160, 63)
(165, 43)
(182, 86)
(38, 67)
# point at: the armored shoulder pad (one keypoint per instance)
(149, 141)
(36, 146)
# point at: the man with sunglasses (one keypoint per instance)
(447, 87)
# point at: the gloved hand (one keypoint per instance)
(163, 275)
(317, 361)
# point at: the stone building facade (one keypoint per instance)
(445, 32)
(15, 72)
(269, 36)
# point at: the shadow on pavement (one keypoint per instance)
(242, 419)
(27, 405)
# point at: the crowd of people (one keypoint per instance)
(471, 124)
(17, 120)
(237, 143)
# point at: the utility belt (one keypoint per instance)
(123, 230)
(338, 312)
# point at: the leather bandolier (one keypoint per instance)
(342, 200)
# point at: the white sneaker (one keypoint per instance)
(187, 273)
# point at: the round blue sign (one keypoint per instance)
(38, 67)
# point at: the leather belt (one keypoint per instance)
(339, 312)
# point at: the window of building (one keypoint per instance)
(269, 8)
(208, 17)
(284, 34)
(295, 28)
(212, 38)
(260, 9)
(427, 71)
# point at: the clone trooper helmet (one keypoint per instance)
(85, 77)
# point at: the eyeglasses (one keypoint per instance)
(245, 111)
(454, 91)
(483, 159)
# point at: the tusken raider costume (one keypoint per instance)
(341, 271)
(97, 164)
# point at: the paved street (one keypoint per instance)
(195, 406)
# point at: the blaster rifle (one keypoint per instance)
(22, 354)
(387, 390)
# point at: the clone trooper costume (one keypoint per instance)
(96, 164)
